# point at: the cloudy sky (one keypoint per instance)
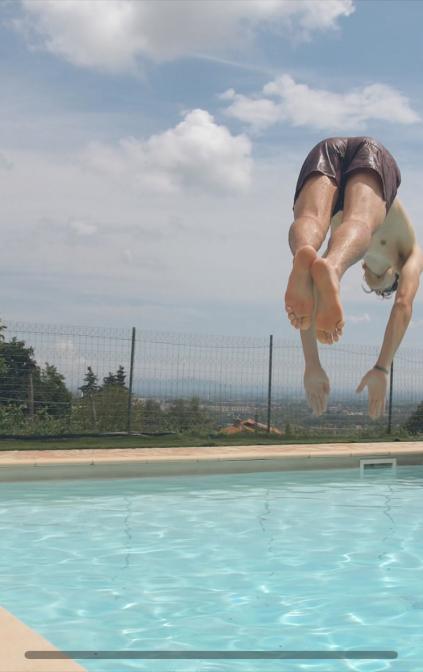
(149, 153)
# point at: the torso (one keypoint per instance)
(392, 242)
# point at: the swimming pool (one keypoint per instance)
(320, 560)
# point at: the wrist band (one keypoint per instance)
(381, 368)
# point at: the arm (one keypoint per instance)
(376, 380)
(316, 382)
(401, 312)
(310, 348)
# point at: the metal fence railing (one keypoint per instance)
(65, 380)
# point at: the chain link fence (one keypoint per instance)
(67, 380)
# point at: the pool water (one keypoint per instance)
(318, 560)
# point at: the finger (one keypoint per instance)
(372, 408)
(325, 404)
(326, 388)
(379, 411)
(361, 385)
(317, 405)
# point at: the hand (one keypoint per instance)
(317, 388)
(376, 382)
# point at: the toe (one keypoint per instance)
(305, 323)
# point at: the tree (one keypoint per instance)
(184, 415)
(120, 376)
(117, 378)
(89, 391)
(2, 361)
(153, 418)
(90, 383)
(109, 380)
(50, 391)
(414, 424)
(105, 407)
(16, 376)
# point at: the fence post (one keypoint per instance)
(269, 388)
(391, 386)
(131, 379)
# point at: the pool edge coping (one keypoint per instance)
(98, 462)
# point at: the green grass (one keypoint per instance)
(185, 440)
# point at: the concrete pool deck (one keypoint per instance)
(16, 638)
(138, 462)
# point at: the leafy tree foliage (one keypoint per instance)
(27, 391)
(103, 408)
(184, 415)
(50, 392)
(90, 383)
(414, 424)
(120, 376)
(19, 362)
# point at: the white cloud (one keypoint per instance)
(111, 35)
(257, 112)
(301, 105)
(195, 153)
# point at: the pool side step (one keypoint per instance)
(371, 464)
(16, 638)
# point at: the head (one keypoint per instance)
(383, 285)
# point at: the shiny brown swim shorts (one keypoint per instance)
(339, 157)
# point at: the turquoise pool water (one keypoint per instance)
(321, 560)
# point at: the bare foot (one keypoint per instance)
(299, 299)
(329, 315)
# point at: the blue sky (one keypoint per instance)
(135, 193)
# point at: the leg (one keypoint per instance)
(364, 212)
(312, 215)
(312, 212)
